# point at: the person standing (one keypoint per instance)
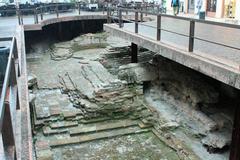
(175, 4)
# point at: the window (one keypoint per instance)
(211, 5)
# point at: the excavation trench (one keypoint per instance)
(89, 102)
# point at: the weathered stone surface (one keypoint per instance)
(102, 127)
(45, 155)
(32, 98)
(47, 131)
(63, 124)
(170, 126)
(217, 140)
(183, 83)
(137, 72)
(42, 145)
(95, 136)
(32, 80)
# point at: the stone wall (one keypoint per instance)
(62, 31)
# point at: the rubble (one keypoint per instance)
(217, 141)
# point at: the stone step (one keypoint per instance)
(63, 124)
(102, 127)
(96, 136)
(47, 131)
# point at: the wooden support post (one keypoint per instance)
(134, 53)
(141, 15)
(136, 22)
(191, 36)
(235, 145)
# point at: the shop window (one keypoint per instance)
(211, 5)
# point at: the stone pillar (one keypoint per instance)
(134, 53)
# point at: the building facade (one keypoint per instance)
(212, 8)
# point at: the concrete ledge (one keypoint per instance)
(218, 71)
(24, 139)
(34, 27)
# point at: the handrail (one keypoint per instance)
(158, 27)
(6, 82)
(6, 110)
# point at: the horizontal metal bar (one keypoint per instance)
(6, 39)
(185, 18)
(220, 44)
(174, 32)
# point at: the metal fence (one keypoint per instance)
(9, 103)
(191, 22)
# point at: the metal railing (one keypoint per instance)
(191, 36)
(41, 11)
(9, 103)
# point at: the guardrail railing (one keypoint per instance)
(56, 9)
(9, 103)
(159, 29)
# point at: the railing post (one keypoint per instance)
(141, 15)
(158, 27)
(79, 7)
(57, 11)
(108, 15)
(41, 14)
(136, 22)
(35, 16)
(18, 15)
(120, 18)
(21, 17)
(146, 8)
(191, 36)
